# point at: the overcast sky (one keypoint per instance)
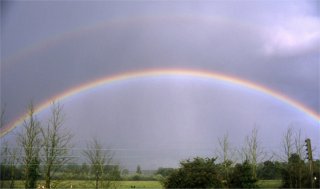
(48, 47)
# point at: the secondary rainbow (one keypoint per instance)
(163, 72)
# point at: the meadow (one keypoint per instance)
(131, 184)
(90, 184)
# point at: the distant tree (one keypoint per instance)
(196, 173)
(56, 144)
(98, 158)
(125, 172)
(242, 176)
(112, 172)
(30, 141)
(138, 171)
(84, 170)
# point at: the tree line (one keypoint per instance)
(291, 167)
(44, 153)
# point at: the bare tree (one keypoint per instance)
(254, 151)
(56, 144)
(293, 144)
(98, 158)
(30, 141)
(225, 153)
(287, 143)
(298, 143)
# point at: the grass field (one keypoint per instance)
(90, 184)
(132, 184)
(269, 183)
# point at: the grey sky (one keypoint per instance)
(49, 47)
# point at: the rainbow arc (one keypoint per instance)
(163, 72)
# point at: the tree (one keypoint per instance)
(316, 174)
(13, 160)
(9, 158)
(291, 175)
(97, 157)
(225, 153)
(138, 171)
(242, 176)
(253, 150)
(293, 144)
(8, 161)
(287, 143)
(196, 173)
(30, 141)
(56, 144)
(270, 170)
(298, 143)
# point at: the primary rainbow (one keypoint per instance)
(163, 72)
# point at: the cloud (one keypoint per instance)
(292, 37)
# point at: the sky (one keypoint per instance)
(49, 47)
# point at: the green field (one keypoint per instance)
(132, 184)
(90, 184)
(269, 183)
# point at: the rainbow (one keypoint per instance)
(110, 24)
(162, 72)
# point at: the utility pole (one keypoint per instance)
(310, 160)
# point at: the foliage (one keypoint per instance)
(8, 168)
(242, 176)
(269, 170)
(164, 171)
(291, 172)
(225, 154)
(196, 173)
(316, 173)
(296, 173)
(224, 170)
(112, 172)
